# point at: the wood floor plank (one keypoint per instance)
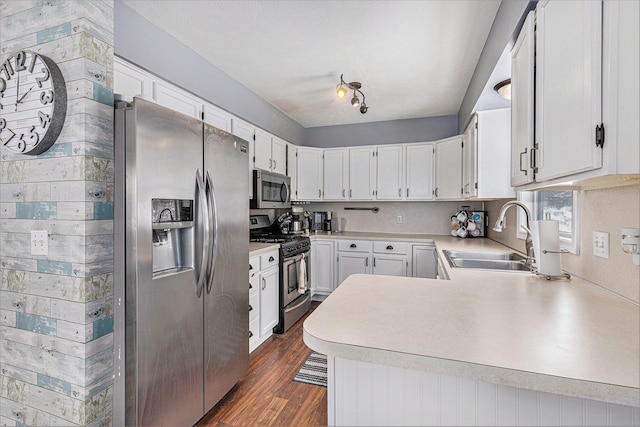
(267, 394)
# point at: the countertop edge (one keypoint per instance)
(509, 377)
(256, 249)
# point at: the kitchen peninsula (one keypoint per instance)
(484, 348)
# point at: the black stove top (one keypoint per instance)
(290, 244)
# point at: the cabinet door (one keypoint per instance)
(309, 173)
(419, 172)
(268, 300)
(323, 261)
(245, 131)
(177, 99)
(279, 156)
(389, 173)
(492, 164)
(362, 178)
(217, 117)
(129, 81)
(522, 101)
(424, 261)
(262, 151)
(470, 159)
(336, 170)
(352, 263)
(449, 168)
(292, 169)
(390, 265)
(568, 87)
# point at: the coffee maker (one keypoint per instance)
(322, 221)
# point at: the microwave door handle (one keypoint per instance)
(203, 213)
(287, 192)
(213, 215)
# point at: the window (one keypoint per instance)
(557, 205)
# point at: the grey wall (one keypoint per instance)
(504, 30)
(144, 44)
(410, 130)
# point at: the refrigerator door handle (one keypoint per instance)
(213, 216)
(202, 274)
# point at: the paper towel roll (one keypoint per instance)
(546, 236)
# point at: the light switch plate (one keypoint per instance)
(601, 244)
(39, 242)
(399, 219)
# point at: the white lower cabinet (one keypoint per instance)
(424, 261)
(263, 297)
(390, 258)
(323, 271)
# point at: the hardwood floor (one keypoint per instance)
(266, 395)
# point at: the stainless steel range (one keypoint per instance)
(294, 253)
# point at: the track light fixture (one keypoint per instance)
(343, 88)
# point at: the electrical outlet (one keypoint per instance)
(39, 242)
(601, 244)
(399, 219)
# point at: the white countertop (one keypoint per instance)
(256, 248)
(360, 235)
(566, 336)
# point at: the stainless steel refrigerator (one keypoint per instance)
(181, 297)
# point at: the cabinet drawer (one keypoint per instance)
(270, 259)
(254, 265)
(390, 248)
(254, 282)
(354, 246)
(254, 306)
(254, 329)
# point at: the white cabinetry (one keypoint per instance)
(389, 172)
(587, 63)
(353, 258)
(486, 155)
(309, 174)
(449, 168)
(568, 87)
(323, 263)
(130, 81)
(336, 174)
(424, 261)
(362, 173)
(263, 297)
(246, 131)
(522, 95)
(292, 169)
(217, 117)
(419, 171)
(177, 99)
(390, 258)
(270, 152)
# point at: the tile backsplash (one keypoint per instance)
(605, 210)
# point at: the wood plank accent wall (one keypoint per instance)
(56, 321)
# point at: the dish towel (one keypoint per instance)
(302, 275)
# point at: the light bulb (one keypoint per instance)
(341, 91)
(355, 102)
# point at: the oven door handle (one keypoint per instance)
(304, 300)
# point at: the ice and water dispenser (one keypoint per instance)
(172, 225)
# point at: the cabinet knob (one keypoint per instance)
(250, 267)
(271, 259)
(250, 334)
(353, 245)
(250, 286)
(389, 248)
(250, 308)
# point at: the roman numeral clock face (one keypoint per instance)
(33, 102)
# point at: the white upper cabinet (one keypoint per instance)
(270, 153)
(419, 171)
(389, 180)
(130, 81)
(362, 173)
(568, 87)
(309, 174)
(278, 155)
(486, 156)
(292, 169)
(245, 131)
(336, 174)
(522, 95)
(177, 99)
(217, 117)
(449, 168)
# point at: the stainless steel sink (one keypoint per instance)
(505, 261)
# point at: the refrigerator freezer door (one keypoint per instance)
(226, 313)
(164, 313)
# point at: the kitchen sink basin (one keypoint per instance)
(509, 261)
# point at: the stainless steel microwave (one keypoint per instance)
(271, 190)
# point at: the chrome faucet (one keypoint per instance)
(529, 240)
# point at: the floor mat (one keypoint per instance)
(313, 370)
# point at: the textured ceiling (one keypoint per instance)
(413, 58)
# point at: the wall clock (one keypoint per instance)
(33, 102)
